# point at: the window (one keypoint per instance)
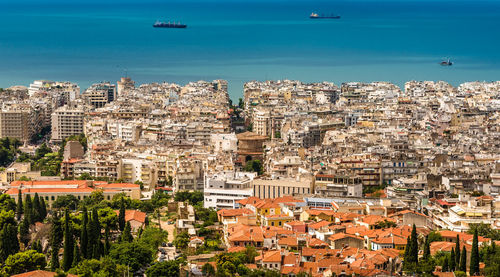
(46, 198)
(52, 198)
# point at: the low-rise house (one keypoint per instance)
(341, 240)
(136, 218)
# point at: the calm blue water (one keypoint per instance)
(239, 41)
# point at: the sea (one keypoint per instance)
(241, 40)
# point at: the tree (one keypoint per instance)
(37, 246)
(457, 254)
(56, 240)
(84, 236)
(407, 251)
(66, 201)
(103, 267)
(484, 230)
(76, 255)
(126, 234)
(42, 151)
(23, 262)
(94, 235)
(121, 216)
(8, 240)
(68, 243)
(107, 218)
(427, 249)
(414, 245)
(43, 209)
(19, 209)
(24, 232)
(37, 216)
(253, 166)
(474, 256)
(208, 270)
(181, 240)
(445, 267)
(135, 254)
(463, 260)
(451, 263)
(7, 203)
(435, 236)
(28, 209)
(153, 237)
(169, 268)
(107, 244)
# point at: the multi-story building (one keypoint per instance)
(189, 175)
(99, 94)
(338, 185)
(272, 188)
(81, 189)
(225, 189)
(17, 122)
(67, 121)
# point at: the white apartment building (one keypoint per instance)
(127, 131)
(223, 190)
(67, 121)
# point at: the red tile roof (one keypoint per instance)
(39, 273)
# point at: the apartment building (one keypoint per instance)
(100, 94)
(67, 121)
(17, 122)
(223, 190)
(331, 185)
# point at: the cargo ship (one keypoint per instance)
(159, 24)
(317, 16)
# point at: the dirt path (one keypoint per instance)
(169, 228)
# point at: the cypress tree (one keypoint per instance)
(94, 233)
(407, 251)
(8, 241)
(56, 239)
(37, 216)
(126, 234)
(24, 232)
(121, 216)
(457, 253)
(28, 209)
(474, 256)
(43, 208)
(19, 208)
(68, 243)
(414, 245)
(445, 267)
(84, 239)
(452, 260)
(427, 248)
(463, 260)
(54, 259)
(107, 245)
(139, 234)
(76, 256)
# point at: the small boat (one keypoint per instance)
(446, 62)
(317, 16)
(159, 24)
